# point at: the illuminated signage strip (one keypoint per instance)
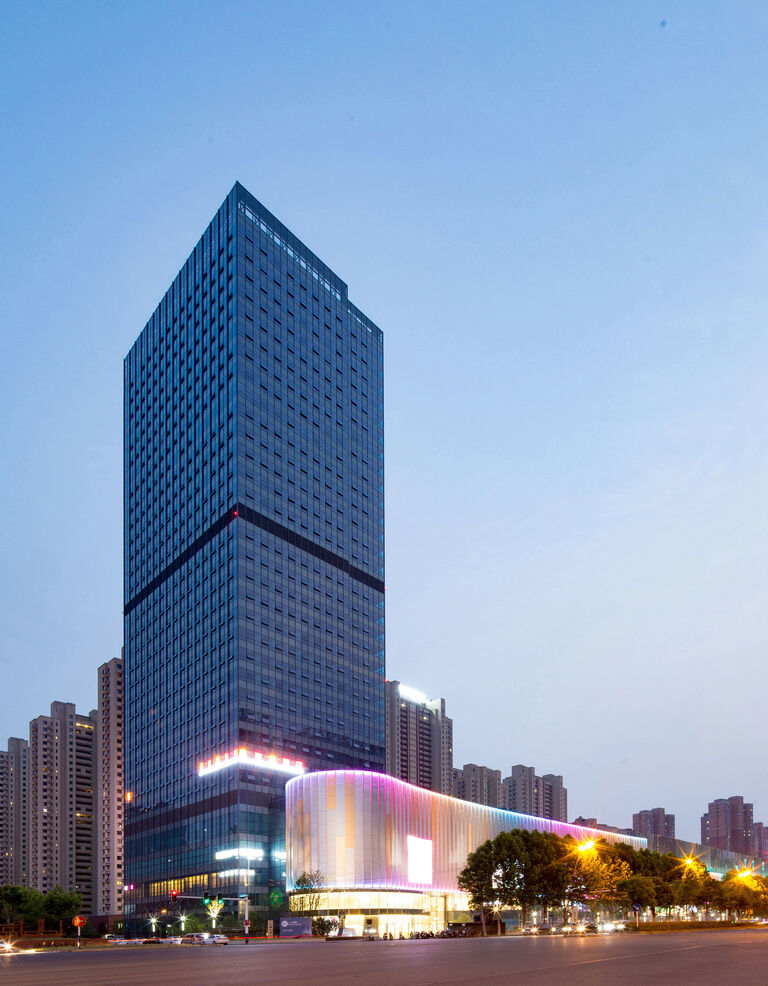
(412, 695)
(250, 758)
(240, 854)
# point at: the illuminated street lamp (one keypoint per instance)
(587, 846)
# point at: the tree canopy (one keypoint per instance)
(521, 869)
(19, 904)
(310, 885)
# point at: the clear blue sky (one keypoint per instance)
(558, 215)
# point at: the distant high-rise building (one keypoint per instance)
(592, 823)
(653, 821)
(520, 790)
(554, 797)
(457, 783)
(760, 838)
(13, 813)
(728, 824)
(584, 822)
(525, 792)
(419, 738)
(61, 779)
(6, 820)
(479, 784)
(254, 555)
(110, 790)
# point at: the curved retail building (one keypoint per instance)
(389, 852)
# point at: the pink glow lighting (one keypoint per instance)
(364, 830)
(246, 758)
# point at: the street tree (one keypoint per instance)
(477, 879)
(595, 874)
(665, 896)
(310, 886)
(20, 904)
(60, 905)
(638, 891)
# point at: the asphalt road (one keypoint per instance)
(724, 958)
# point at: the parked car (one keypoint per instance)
(218, 940)
(195, 938)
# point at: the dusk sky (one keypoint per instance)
(557, 214)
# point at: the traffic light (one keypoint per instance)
(174, 895)
(207, 898)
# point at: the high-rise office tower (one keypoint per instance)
(110, 790)
(60, 776)
(254, 555)
(653, 821)
(419, 739)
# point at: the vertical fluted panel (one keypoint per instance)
(354, 826)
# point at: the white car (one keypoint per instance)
(218, 940)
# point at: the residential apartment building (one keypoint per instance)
(653, 821)
(479, 784)
(61, 780)
(728, 824)
(110, 790)
(419, 738)
(527, 793)
(254, 555)
(760, 837)
(594, 824)
(13, 813)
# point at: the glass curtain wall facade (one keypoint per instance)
(254, 555)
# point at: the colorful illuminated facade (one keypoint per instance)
(254, 555)
(392, 851)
